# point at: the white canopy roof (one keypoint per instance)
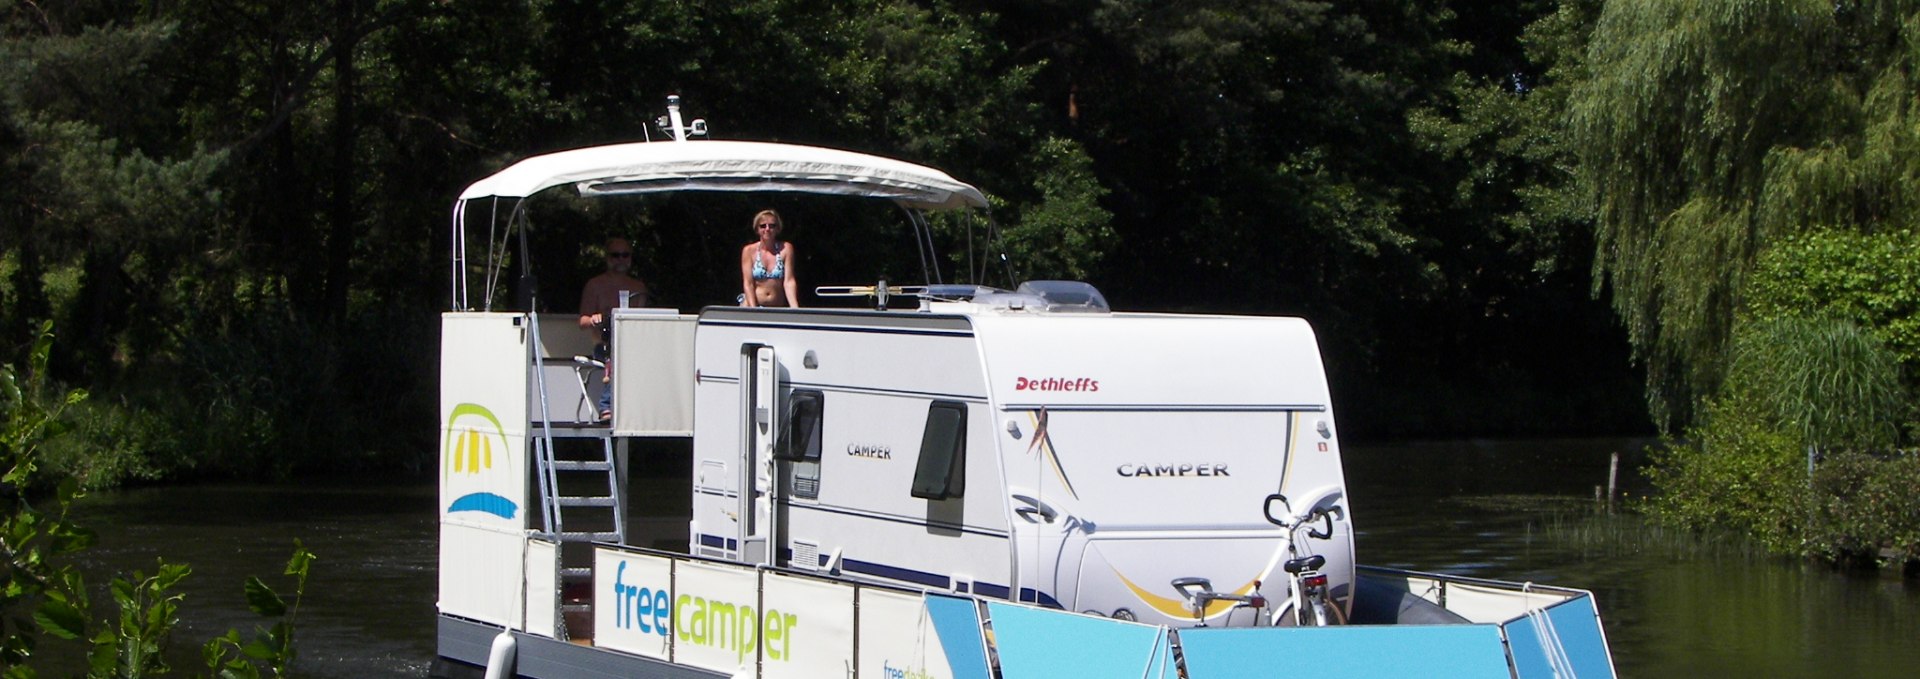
(647, 167)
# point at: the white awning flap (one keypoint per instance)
(649, 167)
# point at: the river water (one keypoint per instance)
(1482, 508)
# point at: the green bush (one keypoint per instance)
(1863, 504)
(42, 593)
(1825, 380)
(1743, 473)
(110, 445)
(263, 395)
(1738, 473)
(1872, 279)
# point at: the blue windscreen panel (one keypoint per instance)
(1037, 642)
(1576, 625)
(1358, 652)
(957, 621)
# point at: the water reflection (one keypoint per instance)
(369, 606)
(1487, 508)
(1469, 507)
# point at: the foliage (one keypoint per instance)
(1683, 105)
(37, 546)
(1872, 279)
(133, 645)
(258, 209)
(1707, 132)
(1067, 232)
(1736, 473)
(111, 444)
(1826, 382)
(1864, 504)
(40, 587)
(1803, 396)
(32, 541)
(232, 657)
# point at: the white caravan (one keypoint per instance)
(1018, 448)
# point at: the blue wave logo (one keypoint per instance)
(471, 436)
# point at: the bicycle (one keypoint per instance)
(1309, 601)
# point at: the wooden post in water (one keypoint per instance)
(1613, 479)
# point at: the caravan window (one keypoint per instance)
(800, 442)
(941, 471)
(800, 439)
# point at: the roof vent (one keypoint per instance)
(1067, 296)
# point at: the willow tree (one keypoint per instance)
(1705, 131)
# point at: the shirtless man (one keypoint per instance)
(597, 301)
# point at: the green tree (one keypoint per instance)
(1708, 131)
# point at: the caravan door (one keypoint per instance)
(760, 413)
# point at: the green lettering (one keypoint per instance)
(682, 628)
(773, 633)
(786, 649)
(747, 636)
(701, 633)
(721, 617)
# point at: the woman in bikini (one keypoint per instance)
(766, 266)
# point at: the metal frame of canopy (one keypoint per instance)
(722, 166)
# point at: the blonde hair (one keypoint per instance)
(754, 224)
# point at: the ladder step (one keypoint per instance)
(582, 466)
(589, 536)
(586, 501)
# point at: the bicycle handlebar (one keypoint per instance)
(1323, 504)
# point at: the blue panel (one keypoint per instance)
(1038, 642)
(1371, 652)
(957, 622)
(1577, 625)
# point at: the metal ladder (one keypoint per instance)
(587, 491)
(601, 493)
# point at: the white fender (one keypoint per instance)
(500, 663)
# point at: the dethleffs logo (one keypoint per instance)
(700, 621)
(1056, 384)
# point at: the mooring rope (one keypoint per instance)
(1556, 651)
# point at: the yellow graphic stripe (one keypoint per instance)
(469, 441)
(1293, 429)
(1043, 441)
(1178, 608)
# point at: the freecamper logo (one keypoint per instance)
(700, 621)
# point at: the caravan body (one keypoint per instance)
(1076, 459)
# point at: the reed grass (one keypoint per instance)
(1630, 534)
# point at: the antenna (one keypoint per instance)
(672, 125)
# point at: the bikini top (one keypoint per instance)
(760, 272)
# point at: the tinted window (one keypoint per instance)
(940, 473)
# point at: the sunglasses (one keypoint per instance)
(619, 255)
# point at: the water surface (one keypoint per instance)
(1481, 508)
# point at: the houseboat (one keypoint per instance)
(963, 477)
